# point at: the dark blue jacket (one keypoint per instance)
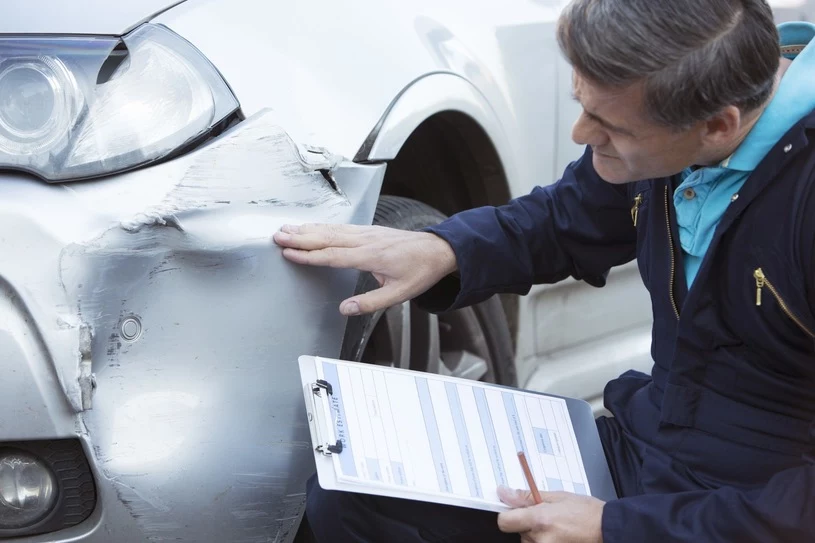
(725, 423)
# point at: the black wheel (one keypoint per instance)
(472, 343)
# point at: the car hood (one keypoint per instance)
(107, 17)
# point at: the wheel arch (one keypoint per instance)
(446, 147)
(447, 104)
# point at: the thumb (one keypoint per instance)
(515, 498)
(371, 301)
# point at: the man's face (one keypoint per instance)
(627, 145)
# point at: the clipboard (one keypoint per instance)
(328, 440)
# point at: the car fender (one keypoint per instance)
(335, 75)
(425, 97)
(163, 288)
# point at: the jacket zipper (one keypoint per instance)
(761, 282)
(673, 256)
(635, 210)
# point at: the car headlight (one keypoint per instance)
(74, 108)
(27, 489)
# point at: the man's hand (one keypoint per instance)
(404, 263)
(561, 518)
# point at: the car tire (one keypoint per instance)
(473, 343)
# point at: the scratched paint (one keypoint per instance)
(201, 417)
(259, 165)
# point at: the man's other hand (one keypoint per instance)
(404, 263)
(561, 518)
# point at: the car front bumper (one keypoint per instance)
(150, 315)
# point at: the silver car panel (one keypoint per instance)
(197, 429)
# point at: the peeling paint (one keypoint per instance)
(222, 175)
(136, 499)
(273, 520)
(87, 381)
(199, 416)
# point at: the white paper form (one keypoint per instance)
(440, 436)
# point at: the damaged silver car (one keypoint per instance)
(150, 328)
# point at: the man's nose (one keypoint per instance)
(587, 132)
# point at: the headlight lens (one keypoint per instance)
(75, 108)
(27, 490)
(37, 102)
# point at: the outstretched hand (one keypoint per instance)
(405, 263)
(563, 517)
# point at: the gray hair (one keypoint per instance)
(694, 57)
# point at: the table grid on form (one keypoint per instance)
(446, 437)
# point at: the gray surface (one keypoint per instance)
(200, 415)
(594, 459)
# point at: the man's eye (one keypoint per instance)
(595, 120)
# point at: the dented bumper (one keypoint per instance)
(150, 316)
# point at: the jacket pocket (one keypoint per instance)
(764, 288)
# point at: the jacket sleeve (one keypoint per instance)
(781, 511)
(580, 227)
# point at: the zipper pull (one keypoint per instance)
(760, 281)
(636, 208)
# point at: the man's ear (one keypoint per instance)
(723, 128)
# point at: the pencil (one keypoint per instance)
(529, 479)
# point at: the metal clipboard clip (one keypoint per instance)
(327, 444)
